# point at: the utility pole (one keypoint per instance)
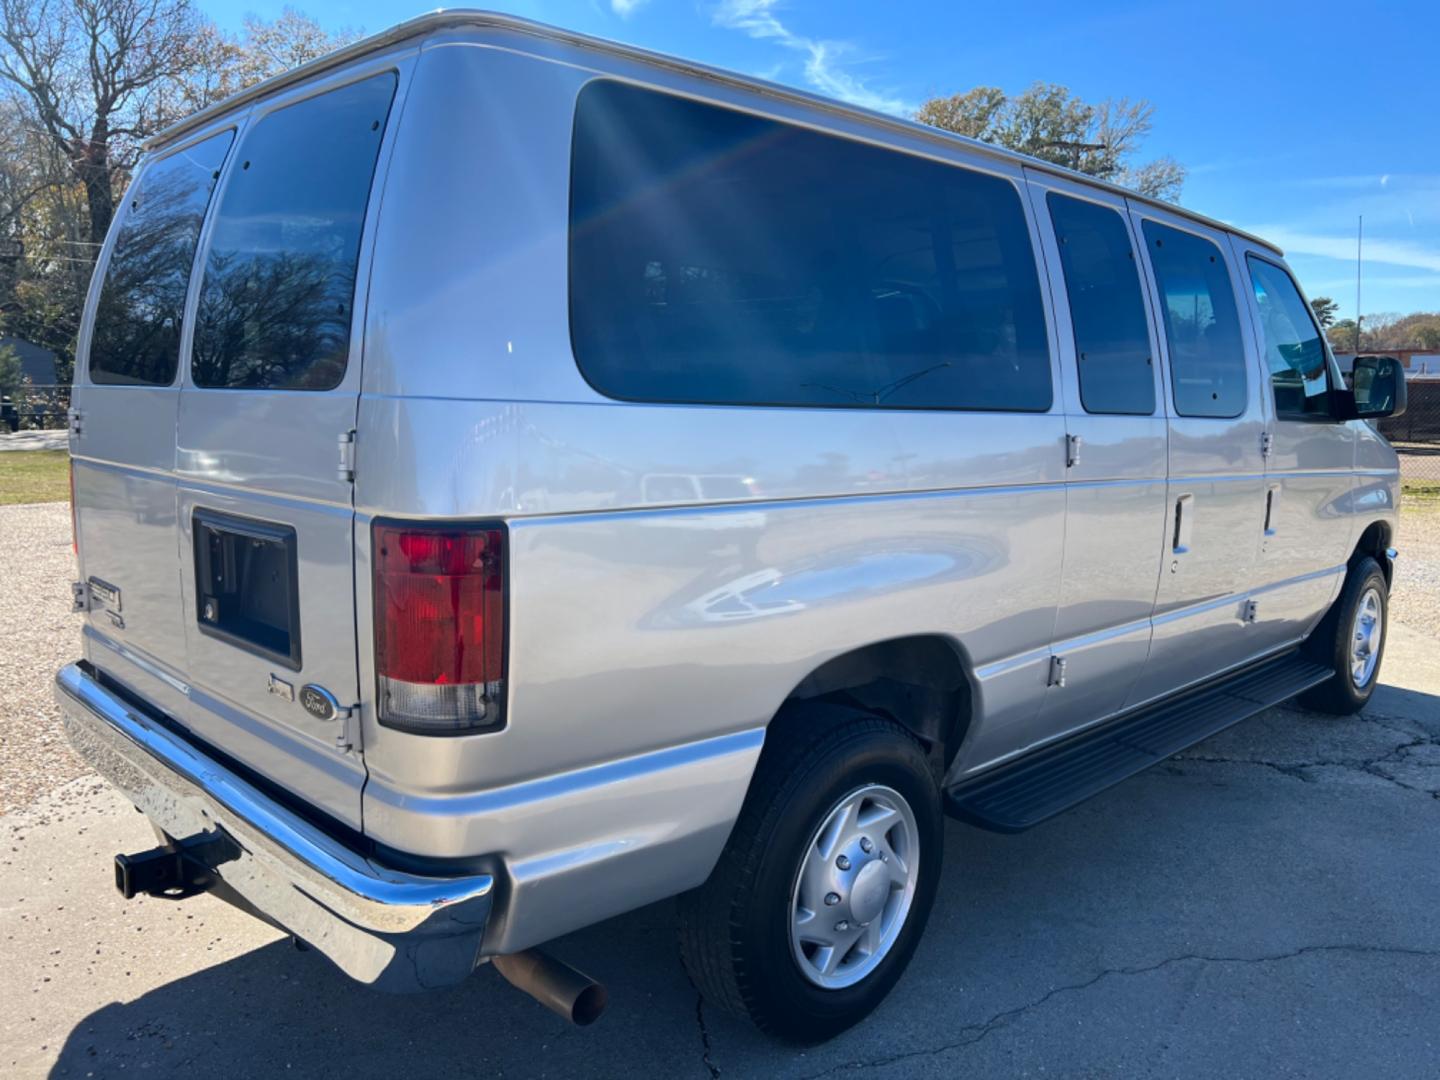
(1359, 238)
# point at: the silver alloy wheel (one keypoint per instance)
(854, 887)
(1366, 635)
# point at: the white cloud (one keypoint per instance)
(1389, 252)
(626, 8)
(822, 59)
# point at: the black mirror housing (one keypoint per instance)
(1377, 389)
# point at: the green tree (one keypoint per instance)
(1325, 309)
(1427, 334)
(1047, 121)
(1342, 336)
(11, 374)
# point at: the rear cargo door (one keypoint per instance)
(124, 405)
(267, 409)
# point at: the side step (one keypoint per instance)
(1025, 792)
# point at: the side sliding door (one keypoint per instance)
(1216, 487)
(1116, 427)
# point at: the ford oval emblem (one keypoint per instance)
(319, 702)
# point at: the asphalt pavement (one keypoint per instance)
(1265, 905)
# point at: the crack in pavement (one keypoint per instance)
(705, 1058)
(705, 1045)
(1369, 766)
(982, 1030)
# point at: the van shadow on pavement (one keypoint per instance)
(1263, 903)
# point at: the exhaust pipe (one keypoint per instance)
(554, 984)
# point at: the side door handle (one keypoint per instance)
(1272, 504)
(1184, 523)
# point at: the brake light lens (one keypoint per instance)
(440, 627)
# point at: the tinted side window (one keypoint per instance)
(1294, 352)
(275, 306)
(722, 258)
(1202, 327)
(136, 338)
(1107, 309)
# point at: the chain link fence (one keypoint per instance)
(35, 407)
(1416, 437)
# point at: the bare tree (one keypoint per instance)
(1049, 122)
(91, 75)
(265, 49)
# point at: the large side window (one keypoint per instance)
(1107, 308)
(1202, 326)
(1294, 351)
(275, 304)
(722, 258)
(136, 337)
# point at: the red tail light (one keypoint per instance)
(440, 627)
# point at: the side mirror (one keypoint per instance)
(1379, 387)
(1375, 388)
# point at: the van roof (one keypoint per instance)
(445, 18)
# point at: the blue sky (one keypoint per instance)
(1283, 131)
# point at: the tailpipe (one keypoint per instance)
(555, 984)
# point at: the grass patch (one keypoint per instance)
(1420, 496)
(34, 476)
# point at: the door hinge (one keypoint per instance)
(345, 470)
(79, 596)
(1072, 450)
(77, 425)
(1267, 443)
(348, 737)
(1250, 611)
(1057, 671)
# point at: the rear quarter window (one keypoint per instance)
(722, 258)
(138, 319)
(276, 299)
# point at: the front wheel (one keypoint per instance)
(825, 885)
(1351, 639)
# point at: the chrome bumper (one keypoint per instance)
(393, 930)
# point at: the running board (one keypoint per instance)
(1027, 791)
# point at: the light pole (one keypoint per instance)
(1359, 318)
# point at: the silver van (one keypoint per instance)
(519, 478)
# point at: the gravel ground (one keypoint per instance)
(34, 440)
(39, 634)
(1416, 597)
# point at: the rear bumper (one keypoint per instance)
(393, 930)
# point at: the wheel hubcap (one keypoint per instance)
(854, 887)
(1366, 634)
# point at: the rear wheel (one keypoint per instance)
(824, 888)
(1351, 639)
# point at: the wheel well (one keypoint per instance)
(919, 681)
(1375, 542)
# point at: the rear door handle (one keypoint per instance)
(1184, 521)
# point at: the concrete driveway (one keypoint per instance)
(1268, 904)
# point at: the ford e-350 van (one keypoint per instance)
(519, 478)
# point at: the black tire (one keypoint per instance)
(735, 929)
(1330, 643)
